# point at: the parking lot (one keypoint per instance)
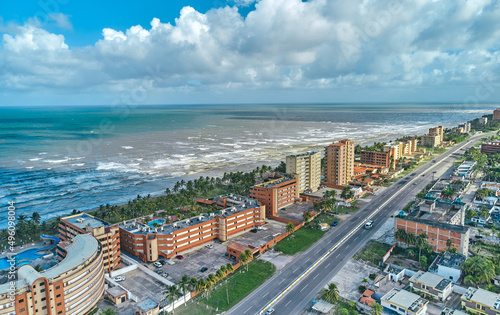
(213, 258)
(143, 285)
(295, 211)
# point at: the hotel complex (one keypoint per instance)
(71, 287)
(339, 162)
(108, 235)
(306, 168)
(149, 243)
(275, 194)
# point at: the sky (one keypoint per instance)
(67, 52)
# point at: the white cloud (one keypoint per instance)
(62, 20)
(281, 45)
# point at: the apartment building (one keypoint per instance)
(275, 194)
(339, 162)
(496, 114)
(490, 147)
(379, 158)
(306, 168)
(480, 301)
(439, 131)
(403, 302)
(108, 235)
(396, 149)
(483, 120)
(431, 284)
(72, 287)
(148, 243)
(448, 265)
(431, 140)
(466, 127)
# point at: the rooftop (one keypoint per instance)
(116, 291)
(82, 220)
(147, 304)
(431, 280)
(405, 299)
(449, 311)
(304, 154)
(451, 260)
(482, 296)
(442, 225)
(275, 182)
(238, 204)
(395, 269)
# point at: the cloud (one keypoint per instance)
(62, 20)
(282, 45)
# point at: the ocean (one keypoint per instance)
(56, 159)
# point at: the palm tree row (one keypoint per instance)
(29, 229)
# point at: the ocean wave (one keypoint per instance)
(78, 164)
(35, 159)
(56, 161)
(127, 147)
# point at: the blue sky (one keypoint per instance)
(67, 52)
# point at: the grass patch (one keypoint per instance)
(373, 252)
(240, 284)
(326, 218)
(487, 250)
(299, 241)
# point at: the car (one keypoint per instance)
(269, 311)
(369, 225)
(119, 278)
(157, 264)
(162, 262)
(226, 254)
(179, 257)
(165, 274)
(253, 230)
(209, 246)
(203, 269)
(335, 223)
(158, 271)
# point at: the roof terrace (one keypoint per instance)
(405, 299)
(82, 220)
(273, 183)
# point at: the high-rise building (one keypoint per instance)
(439, 131)
(275, 194)
(339, 162)
(496, 114)
(385, 159)
(306, 168)
(108, 235)
(431, 140)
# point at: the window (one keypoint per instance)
(21, 300)
(393, 306)
(58, 287)
(58, 296)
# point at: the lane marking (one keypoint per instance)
(316, 276)
(288, 303)
(303, 288)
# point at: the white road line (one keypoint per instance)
(316, 276)
(295, 270)
(281, 281)
(328, 264)
(266, 294)
(303, 288)
(247, 310)
(288, 303)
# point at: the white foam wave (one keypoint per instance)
(35, 159)
(56, 161)
(127, 147)
(78, 164)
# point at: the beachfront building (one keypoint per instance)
(339, 162)
(480, 301)
(306, 168)
(431, 140)
(403, 302)
(483, 120)
(490, 147)
(149, 243)
(439, 131)
(108, 235)
(379, 158)
(465, 127)
(496, 114)
(431, 284)
(72, 287)
(275, 193)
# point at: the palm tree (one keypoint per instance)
(377, 309)
(193, 283)
(421, 242)
(249, 255)
(201, 285)
(483, 270)
(365, 281)
(332, 294)
(35, 217)
(243, 258)
(290, 227)
(219, 274)
(223, 268)
(400, 235)
(307, 216)
(172, 293)
(230, 267)
(183, 284)
(21, 218)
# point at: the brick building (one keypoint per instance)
(490, 147)
(275, 194)
(339, 162)
(108, 235)
(306, 168)
(378, 158)
(149, 243)
(496, 114)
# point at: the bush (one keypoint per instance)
(372, 276)
(361, 289)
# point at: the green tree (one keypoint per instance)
(229, 267)
(344, 311)
(109, 311)
(172, 293)
(183, 285)
(307, 216)
(290, 227)
(377, 309)
(423, 262)
(332, 293)
(35, 217)
(482, 269)
(223, 268)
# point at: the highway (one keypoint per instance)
(293, 288)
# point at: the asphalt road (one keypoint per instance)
(300, 293)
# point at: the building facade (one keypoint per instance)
(438, 233)
(149, 243)
(379, 158)
(108, 235)
(306, 168)
(431, 140)
(404, 303)
(72, 287)
(439, 131)
(275, 194)
(480, 301)
(448, 265)
(339, 162)
(431, 284)
(496, 114)
(490, 147)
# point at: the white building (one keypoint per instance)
(404, 302)
(431, 284)
(448, 266)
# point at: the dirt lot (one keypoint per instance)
(295, 211)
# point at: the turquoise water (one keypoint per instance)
(31, 254)
(58, 159)
(157, 221)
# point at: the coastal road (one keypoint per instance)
(288, 294)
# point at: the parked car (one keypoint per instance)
(335, 223)
(162, 262)
(269, 311)
(179, 257)
(157, 264)
(253, 230)
(119, 278)
(165, 274)
(209, 246)
(158, 271)
(203, 269)
(226, 254)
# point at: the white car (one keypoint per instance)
(119, 278)
(269, 311)
(209, 246)
(157, 264)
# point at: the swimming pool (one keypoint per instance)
(157, 221)
(30, 254)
